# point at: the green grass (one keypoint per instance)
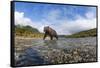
(87, 33)
(27, 31)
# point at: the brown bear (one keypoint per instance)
(50, 32)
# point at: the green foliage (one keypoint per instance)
(87, 33)
(27, 31)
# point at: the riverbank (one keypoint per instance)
(18, 37)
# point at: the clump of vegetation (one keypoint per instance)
(27, 31)
(87, 33)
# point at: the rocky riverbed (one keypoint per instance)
(30, 51)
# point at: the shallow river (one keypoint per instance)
(65, 50)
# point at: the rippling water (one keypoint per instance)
(38, 51)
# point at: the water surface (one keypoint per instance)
(64, 50)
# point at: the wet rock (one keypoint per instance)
(33, 52)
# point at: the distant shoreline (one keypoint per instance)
(18, 37)
(26, 38)
(46, 38)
